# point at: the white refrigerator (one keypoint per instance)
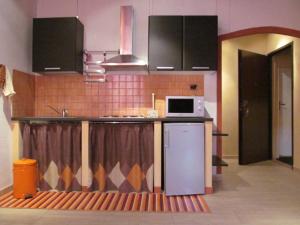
(184, 158)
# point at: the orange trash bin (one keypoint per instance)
(24, 173)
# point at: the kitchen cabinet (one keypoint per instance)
(57, 45)
(183, 43)
(200, 42)
(165, 43)
(128, 146)
(155, 137)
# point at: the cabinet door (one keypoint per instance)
(165, 43)
(54, 41)
(200, 42)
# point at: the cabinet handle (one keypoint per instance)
(200, 68)
(167, 137)
(52, 68)
(165, 68)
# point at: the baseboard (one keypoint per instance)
(157, 189)
(230, 156)
(209, 190)
(85, 189)
(283, 164)
(6, 190)
(297, 170)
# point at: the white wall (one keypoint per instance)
(15, 29)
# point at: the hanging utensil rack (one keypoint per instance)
(92, 60)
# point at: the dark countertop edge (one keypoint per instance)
(114, 119)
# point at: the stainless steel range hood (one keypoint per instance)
(125, 60)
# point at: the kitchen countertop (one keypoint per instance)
(113, 119)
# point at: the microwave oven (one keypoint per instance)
(185, 106)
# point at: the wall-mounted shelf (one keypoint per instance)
(92, 79)
(217, 161)
(216, 133)
(92, 63)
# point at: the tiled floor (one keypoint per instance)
(260, 194)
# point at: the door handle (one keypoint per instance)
(166, 139)
(281, 104)
(247, 111)
(244, 108)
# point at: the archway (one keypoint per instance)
(243, 33)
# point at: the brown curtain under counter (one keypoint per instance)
(57, 149)
(121, 156)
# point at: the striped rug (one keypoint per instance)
(108, 201)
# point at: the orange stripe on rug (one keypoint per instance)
(92, 201)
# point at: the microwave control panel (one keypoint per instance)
(200, 105)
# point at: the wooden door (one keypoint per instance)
(254, 108)
(282, 74)
(285, 113)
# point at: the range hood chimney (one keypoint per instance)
(125, 60)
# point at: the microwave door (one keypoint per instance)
(185, 105)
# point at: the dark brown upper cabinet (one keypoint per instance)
(200, 42)
(165, 43)
(57, 45)
(183, 43)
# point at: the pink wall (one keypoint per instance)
(15, 39)
(101, 21)
(16, 33)
(255, 13)
(101, 17)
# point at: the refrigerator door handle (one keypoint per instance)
(167, 137)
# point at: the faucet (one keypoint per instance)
(63, 113)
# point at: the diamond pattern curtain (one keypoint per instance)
(122, 156)
(57, 149)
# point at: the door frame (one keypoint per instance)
(231, 35)
(269, 74)
(270, 55)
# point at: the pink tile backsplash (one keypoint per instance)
(23, 102)
(121, 95)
